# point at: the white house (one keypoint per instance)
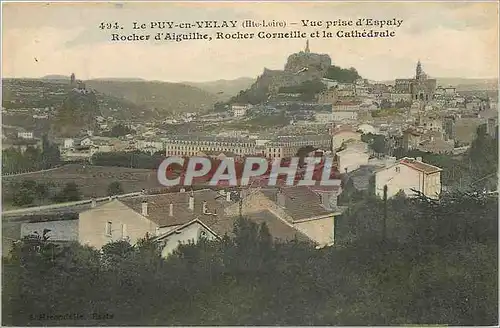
(346, 106)
(341, 135)
(191, 232)
(367, 128)
(323, 117)
(239, 110)
(350, 159)
(409, 174)
(150, 146)
(68, 143)
(87, 141)
(25, 135)
(344, 115)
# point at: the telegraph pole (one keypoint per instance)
(384, 224)
(240, 203)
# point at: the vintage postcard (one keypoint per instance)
(250, 163)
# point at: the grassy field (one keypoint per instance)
(93, 181)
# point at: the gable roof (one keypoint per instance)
(159, 206)
(420, 166)
(173, 231)
(277, 228)
(300, 202)
(221, 226)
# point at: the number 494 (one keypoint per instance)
(110, 26)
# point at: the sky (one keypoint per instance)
(450, 39)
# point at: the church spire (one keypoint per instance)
(307, 47)
(419, 70)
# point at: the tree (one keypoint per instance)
(385, 104)
(115, 188)
(119, 130)
(23, 196)
(439, 265)
(69, 193)
(342, 75)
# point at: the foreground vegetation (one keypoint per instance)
(434, 263)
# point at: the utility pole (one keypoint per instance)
(240, 203)
(384, 224)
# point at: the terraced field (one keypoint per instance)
(93, 181)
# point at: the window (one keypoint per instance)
(397, 169)
(108, 228)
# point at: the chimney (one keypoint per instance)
(205, 208)
(325, 200)
(94, 203)
(144, 208)
(228, 196)
(191, 202)
(171, 210)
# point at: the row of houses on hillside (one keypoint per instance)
(303, 213)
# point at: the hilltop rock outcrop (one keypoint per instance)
(300, 67)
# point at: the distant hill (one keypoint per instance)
(469, 84)
(67, 78)
(55, 77)
(224, 89)
(157, 96)
(120, 79)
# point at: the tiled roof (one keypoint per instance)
(300, 202)
(52, 214)
(277, 228)
(420, 166)
(361, 177)
(159, 206)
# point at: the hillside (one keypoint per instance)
(157, 96)
(56, 77)
(77, 111)
(224, 89)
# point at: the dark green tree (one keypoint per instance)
(115, 188)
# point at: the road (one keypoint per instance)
(33, 172)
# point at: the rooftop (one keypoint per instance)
(300, 202)
(420, 166)
(159, 206)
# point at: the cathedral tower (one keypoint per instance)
(419, 71)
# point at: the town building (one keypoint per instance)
(344, 116)
(276, 147)
(328, 96)
(239, 110)
(291, 213)
(411, 139)
(309, 210)
(346, 106)
(323, 117)
(350, 159)
(342, 134)
(420, 87)
(410, 175)
(25, 135)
